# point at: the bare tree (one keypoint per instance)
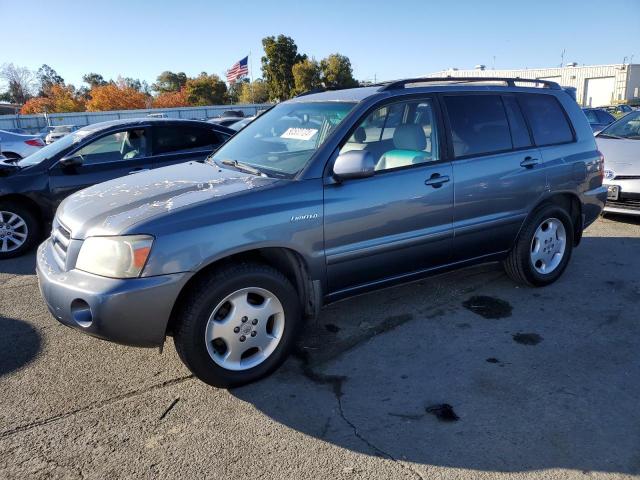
(20, 82)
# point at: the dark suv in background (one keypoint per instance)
(320, 198)
(31, 188)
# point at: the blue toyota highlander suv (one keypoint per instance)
(324, 196)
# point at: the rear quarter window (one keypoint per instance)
(547, 119)
(183, 139)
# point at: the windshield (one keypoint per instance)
(627, 127)
(55, 148)
(282, 140)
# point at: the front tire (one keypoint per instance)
(237, 325)
(19, 229)
(543, 248)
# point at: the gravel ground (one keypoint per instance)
(463, 375)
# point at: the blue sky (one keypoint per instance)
(383, 39)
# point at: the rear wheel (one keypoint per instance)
(12, 156)
(238, 325)
(19, 229)
(543, 248)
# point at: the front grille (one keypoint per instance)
(627, 204)
(626, 177)
(60, 238)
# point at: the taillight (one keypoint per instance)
(35, 142)
(601, 166)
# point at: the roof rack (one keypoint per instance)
(509, 81)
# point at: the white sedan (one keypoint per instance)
(620, 145)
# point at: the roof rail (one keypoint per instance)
(509, 81)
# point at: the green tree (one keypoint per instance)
(280, 55)
(235, 89)
(254, 92)
(205, 90)
(169, 82)
(47, 78)
(306, 76)
(337, 72)
(94, 80)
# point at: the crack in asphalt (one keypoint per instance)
(93, 406)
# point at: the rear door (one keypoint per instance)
(109, 156)
(183, 143)
(399, 221)
(497, 170)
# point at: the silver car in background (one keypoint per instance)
(58, 132)
(620, 145)
(16, 146)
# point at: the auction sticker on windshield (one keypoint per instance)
(299, 133)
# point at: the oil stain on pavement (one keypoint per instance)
(488, 307)
(527, 338)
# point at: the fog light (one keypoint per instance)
(81, 313)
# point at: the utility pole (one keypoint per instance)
(562, 58)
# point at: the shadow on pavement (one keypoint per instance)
(19, 344)
(24, 265)
(553, 384)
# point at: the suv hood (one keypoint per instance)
(112, 207)
(620, 155)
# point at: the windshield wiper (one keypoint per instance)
(608, 135)
(244, 167)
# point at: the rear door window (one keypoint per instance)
(478, 124)
(181, 139)
(547, 119)
(604, 117)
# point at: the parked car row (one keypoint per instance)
(322, 197)
(17, 146)
(31, 188)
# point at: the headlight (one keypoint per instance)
(115, 257)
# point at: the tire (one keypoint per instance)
(12, 156)
(20, 229)
(237, 286)
(527, 261)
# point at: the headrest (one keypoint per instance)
(409, 137)
(360, 135)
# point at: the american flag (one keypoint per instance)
(239, 70)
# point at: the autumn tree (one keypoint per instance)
(254, 92)
(58, 99)
(171, 100)
(306, 76)
(115, 97)
(169, 82)
(205, 90)
(280, 55)
(337, 72)
(47, 78)
(20, 82)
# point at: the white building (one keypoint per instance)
(596, 85)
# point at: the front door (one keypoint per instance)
(400, 220)
(113, 155)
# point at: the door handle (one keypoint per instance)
(136, 170)
(436, 180)
(529, 162)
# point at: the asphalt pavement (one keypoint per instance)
(464, 375)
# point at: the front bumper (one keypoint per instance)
(628, 201)
(129, 311)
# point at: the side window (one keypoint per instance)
(547, 119)
(398, 135)
(181, 139)
(519, 132)
(604, 117)
(591, 116)
(115, 147)
(478, 124)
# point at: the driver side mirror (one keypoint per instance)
(73, 161)
(354, 164)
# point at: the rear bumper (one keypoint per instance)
(131, 311)
(593, 202)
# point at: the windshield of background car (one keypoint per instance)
(627, 127)
(55, 148)
(283, 139)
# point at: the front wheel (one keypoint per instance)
(543, 248)
(19, 229)
(238, 325)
